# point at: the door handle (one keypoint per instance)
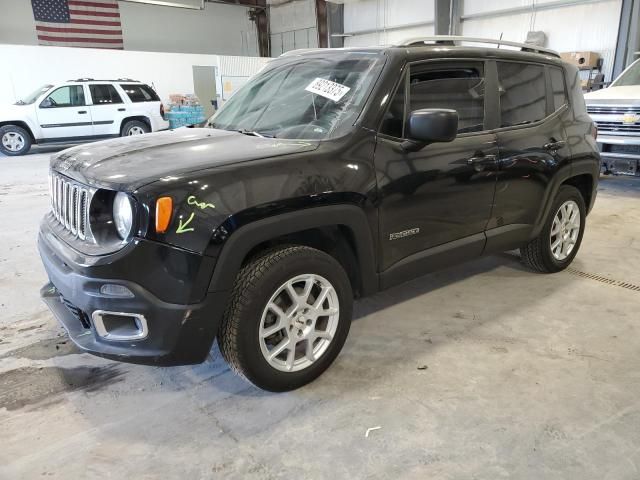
(121, 109)
(554, 145)
(481, 159)
(82, 112)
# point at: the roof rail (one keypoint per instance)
(98, 80)
(451, 39)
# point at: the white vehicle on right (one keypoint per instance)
(616, 111)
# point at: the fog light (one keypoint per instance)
(114, 290)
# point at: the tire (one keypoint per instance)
(134, 127)
(244, 338)
(538, 254)
(14, 140)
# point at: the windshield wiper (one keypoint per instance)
(253, 133)
(20, 102)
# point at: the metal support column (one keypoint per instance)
(442, 17)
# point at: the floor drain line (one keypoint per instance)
(608, 281)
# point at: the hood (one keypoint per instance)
(130, 162)
(623, 94)
(12, 112)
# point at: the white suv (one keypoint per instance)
(80, 111)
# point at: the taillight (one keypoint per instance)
(162, 110)
(594, 131)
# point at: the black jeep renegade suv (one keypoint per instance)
(332, 174)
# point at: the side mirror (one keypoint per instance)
(430, 125)
(46, 103)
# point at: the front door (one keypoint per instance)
(435, 201)
(64, 114)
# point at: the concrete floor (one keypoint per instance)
(483, 371)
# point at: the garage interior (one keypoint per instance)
(483, 370)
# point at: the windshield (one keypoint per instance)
(631, 76)
(29, 99)
(309, 97)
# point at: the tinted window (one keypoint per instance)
(104, 94)
(522, 93)
(393, 122)
(558, 87)
(458, 87)
(140, 93)
(69, 96)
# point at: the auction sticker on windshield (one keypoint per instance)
(328, 89)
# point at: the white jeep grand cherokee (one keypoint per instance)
(80, 111)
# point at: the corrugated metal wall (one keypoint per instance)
(292, 26)
(383, 22)
(591, 25)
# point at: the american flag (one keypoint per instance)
(78, 23)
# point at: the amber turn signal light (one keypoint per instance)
(164, 208)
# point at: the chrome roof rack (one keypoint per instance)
(452, 39)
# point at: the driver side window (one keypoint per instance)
(457, 86)
(68, 96)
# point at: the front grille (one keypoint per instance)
(76, 312)
(618, 127)
(69, 204)
(628, 149)
(616, 110)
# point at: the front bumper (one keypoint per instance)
(620, 154)
(178, 334)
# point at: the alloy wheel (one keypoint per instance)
(299, 322)
(565, 230)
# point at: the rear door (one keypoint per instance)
(107, 109)
(64, 114)
(533, 146)
(144, 100)
(441, 195)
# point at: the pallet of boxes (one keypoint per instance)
(588, 62)
(184, 111)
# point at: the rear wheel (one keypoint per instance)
(14, 140)
(558, 243)
(134, 127)
(287, 319)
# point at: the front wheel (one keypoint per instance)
(288, 318)
(14, 140)
(558, 243)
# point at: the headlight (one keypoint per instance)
(123, 214)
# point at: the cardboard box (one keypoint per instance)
(582, 60)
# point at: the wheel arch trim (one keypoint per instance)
(248, 236)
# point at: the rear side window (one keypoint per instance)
(104, 94)
(522, 93)
(140, 93)
(558, 88)
(440, 85)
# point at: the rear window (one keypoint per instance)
(522, 93)
(558, 88)
(140, 93)
(105, 94)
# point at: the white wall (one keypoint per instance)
(591, 27)
(218, 29)
(32, 66)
